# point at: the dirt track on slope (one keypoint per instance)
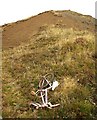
(21, 31)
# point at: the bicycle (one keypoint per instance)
(44, 86)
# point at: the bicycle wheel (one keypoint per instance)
(46, 81)
(49, 77)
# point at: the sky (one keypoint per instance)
(14, 10)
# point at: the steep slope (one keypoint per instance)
(66, 52)
(16, 33)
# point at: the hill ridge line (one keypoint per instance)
(49, 11)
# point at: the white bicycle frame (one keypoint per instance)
(44, 96)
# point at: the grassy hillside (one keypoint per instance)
(65, 52)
